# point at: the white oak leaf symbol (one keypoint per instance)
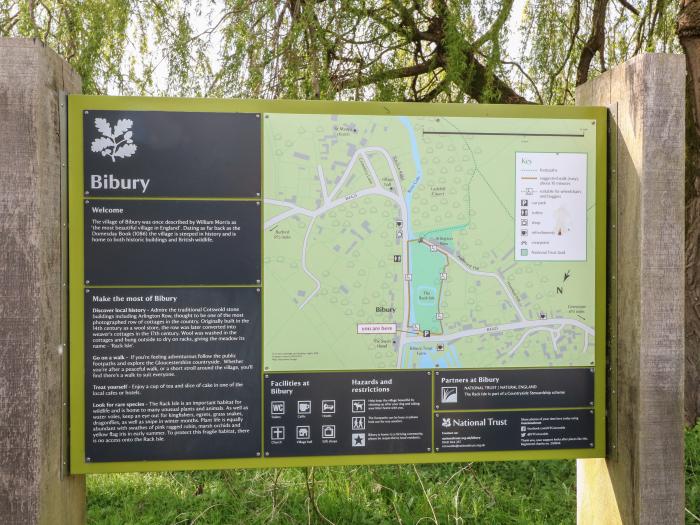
(110, 144)
(101, 144)
(127, 150)
(103, 127)
(122, 126)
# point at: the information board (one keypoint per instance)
(276, 283)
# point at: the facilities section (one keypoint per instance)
(171, 154)
(172, 373)
(509, 388)
(172, 242)
(328, 413)
(531, 430)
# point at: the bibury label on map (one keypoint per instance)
(428, 242)
(274, 283)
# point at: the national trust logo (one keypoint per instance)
(117, 143)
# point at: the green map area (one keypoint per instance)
(407, 242)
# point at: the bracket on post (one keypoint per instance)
(611, 287)
(63, 346)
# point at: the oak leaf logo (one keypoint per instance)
(114, 143)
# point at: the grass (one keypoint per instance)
(523, 492)
(692, 475)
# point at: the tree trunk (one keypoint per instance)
(689, 36)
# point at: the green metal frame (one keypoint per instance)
(79, 103)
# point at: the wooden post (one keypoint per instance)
(33, 487)
(642, 480)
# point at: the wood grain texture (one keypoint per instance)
(645, 477)
(31, 488)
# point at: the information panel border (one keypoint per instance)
(77, 104)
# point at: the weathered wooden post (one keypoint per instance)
(33, 485)
(642, 481)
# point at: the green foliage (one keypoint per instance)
(446, 50)
(518, 492)
(692, 474)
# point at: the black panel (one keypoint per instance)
(329, 413)
(522, 430)
(172, 242)
(180, 154)
(172, 373)
(508, 388)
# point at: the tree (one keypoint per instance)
(417, 50)
(423, 50)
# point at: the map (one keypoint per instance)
(428, 242)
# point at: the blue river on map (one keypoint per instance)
(433, 358)
(409, 194)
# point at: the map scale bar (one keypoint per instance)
(503, 134)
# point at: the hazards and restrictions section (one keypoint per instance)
(512, 388)
(172, 242)
(516, 430)
(329, 413)
(172, 373)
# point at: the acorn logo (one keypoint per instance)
(114, 143)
